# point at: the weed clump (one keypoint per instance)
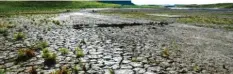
(63, 51)
(56, 22)
(3, 31)
(79, 52)
(63, 70)
(165, 52)
(49, 57)
(25, 54)
(196, 68)
(111, 71)
(41, 45)
(2, 71)
(77, 68)
(19, 36)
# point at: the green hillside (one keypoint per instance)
(219, 5)
(20, 7)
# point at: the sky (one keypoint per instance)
(151, 2)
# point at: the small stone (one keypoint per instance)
(126, 66)
(149, 73)
(139, 70)
(136, 64)
(126, 61)
(124, 71)
(115, 66)
(7, 65)
(107, 57)
(109, 63)
(117, 59)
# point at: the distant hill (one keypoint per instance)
(219, 5)
(118, 2)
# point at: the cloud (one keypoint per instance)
(151, 2)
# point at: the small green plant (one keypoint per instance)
(196, 68)
(77, 68)
(63, 51)
(3, 31)
(111, 71)
(56, 22)
(49, 57)
(63, 70)
(2, 71)
(19, 36)
(25, 54)
(165, 52)
(41, 45)
(79, 52)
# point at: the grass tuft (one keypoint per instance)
(79, 52)
(25, 54)
(49, 57)
(4, 31)
(111, 71)
(2, 71)
(63, 51)
(63, 70)
(165, 52)
(19, 36)
(41, 45)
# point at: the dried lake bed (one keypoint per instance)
(147, 48)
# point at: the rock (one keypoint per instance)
(149, 73)
(124, 71)
(136, 64)
(7, 65)
(115, 66)
(139, 70)
(117, 59)
(126, 66)
(126, 61)
(109, 63)
(108, 57)
(93, 56)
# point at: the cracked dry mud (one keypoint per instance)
(129, 50)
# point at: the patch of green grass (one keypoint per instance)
(19, 36)
(25, 54)
(77, 68)
(63, 70)
(3, 31)
(38, 7)
(79, 52)
(64, 51)
(40, 45)
(206, 20)
(111, 71)
(49, 57)
(219, 5)
(2, 71)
